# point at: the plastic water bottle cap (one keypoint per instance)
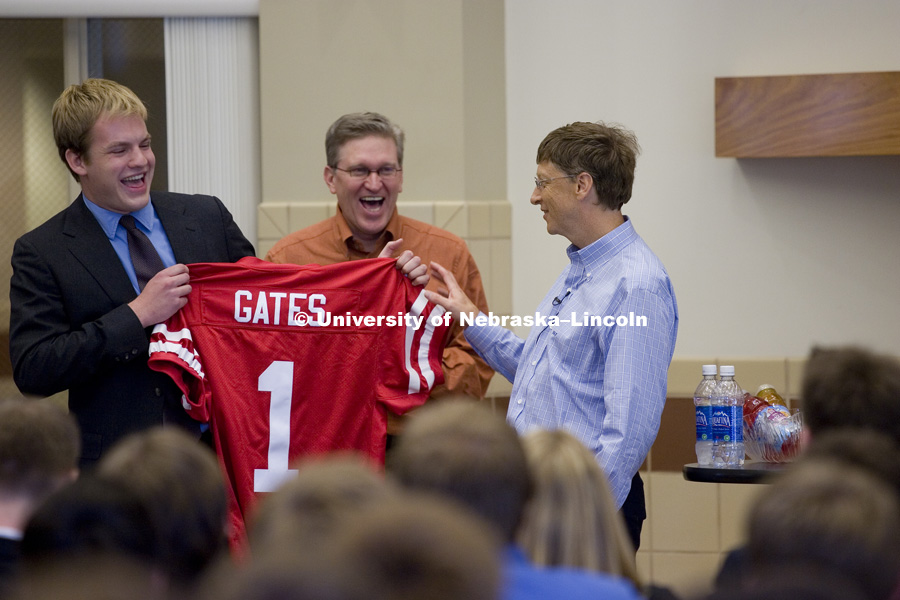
(726, 370)
(709, 370)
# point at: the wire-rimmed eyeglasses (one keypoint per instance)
(360, 172)
(542, 183)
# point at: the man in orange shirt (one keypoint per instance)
(364, 153)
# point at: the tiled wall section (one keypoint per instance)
(485, 226)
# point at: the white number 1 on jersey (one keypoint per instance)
(278, 379)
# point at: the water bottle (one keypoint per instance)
(702, 396)
(728, 420)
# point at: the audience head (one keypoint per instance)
(39, 447)
(309, 508)
(608, 153)
(572, 519)
(851, 387)
(180, 483)
(464, 451)
(92, 516)
(104, 576)
(81, 105)
(420, 547)
(793, 582)
(407, 548)
(871, 451)
(826, 515)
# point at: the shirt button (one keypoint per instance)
(134, 350)
(534, 362)
(158, 392)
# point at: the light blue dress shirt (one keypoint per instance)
(147, 221)
(606, 382)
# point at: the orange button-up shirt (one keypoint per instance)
(331, 241)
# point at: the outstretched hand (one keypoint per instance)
(407, 263)
(451, 297)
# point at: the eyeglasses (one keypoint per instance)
(542, 183)
(385, 172)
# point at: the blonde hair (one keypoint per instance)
(81, 105)
(571, 519)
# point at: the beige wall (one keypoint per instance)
(436, 68)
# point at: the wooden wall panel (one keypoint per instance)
(848, 114)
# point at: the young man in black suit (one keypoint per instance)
(82, 310)
(80, 319)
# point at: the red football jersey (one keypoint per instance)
(287, 360)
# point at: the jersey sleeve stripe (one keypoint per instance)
(180, 343)
(425, 346)
(415, 382)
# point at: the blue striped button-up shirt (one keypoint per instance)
(601, 371)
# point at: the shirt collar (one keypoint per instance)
(10, 533)
(346, 236)
(109, 220)
(605, 248)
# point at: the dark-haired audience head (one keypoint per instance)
(310, 507)
(829, 516)
(39, 447)
(851, 387)
(874, 452)
(794, 582)
(92, 516)
(407, 549)
(180, 483)
(464, 451)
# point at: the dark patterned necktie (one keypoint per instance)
(144, 257)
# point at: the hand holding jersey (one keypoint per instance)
(409, 264)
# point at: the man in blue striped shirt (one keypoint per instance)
(596, 361)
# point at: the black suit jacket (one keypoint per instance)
(71, 327)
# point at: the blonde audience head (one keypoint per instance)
(571, 519)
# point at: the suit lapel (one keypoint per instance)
(184, 232)
(90, 246)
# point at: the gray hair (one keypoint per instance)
(359, 125)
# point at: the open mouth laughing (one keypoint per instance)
(372, 203)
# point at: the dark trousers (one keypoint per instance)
(634, 510)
